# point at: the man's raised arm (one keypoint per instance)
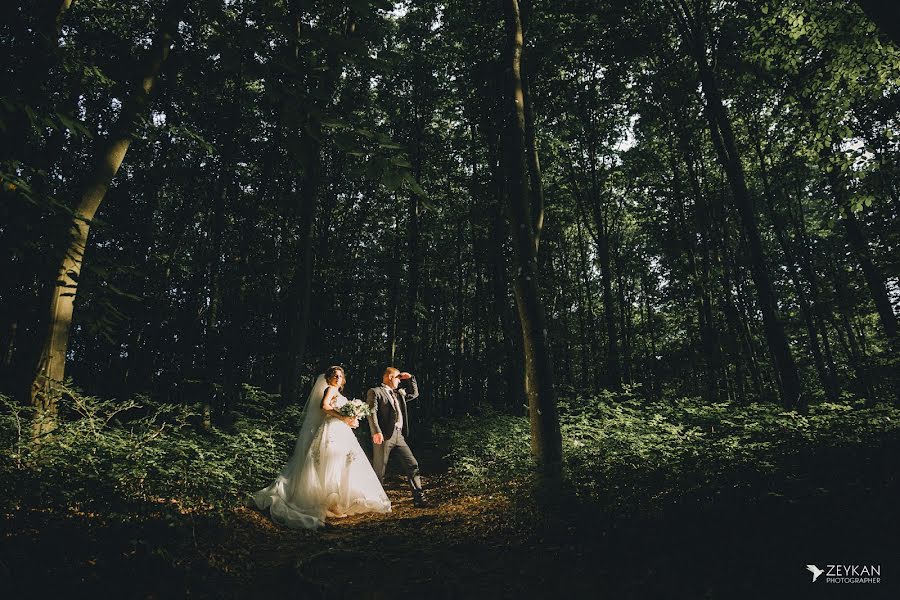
(410, 387)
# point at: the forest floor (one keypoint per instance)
(477, 544)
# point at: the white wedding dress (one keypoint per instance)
(328, 473)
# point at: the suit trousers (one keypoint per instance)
(396, 445)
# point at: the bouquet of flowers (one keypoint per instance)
(355, 408)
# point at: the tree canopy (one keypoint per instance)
(713, 188)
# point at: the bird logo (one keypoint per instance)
(816, 571)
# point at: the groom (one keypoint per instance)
(390, 426)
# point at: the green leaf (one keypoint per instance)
(427, 203)
(392, 180)
(375, 167)
(345, 140)
(334, 123)
(400, 161)
(414, 185)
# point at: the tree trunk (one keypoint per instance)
(213, 346)
(299, 296)
(307, 191)
(536, 186)
(694, 27)
(806, 265)
(411, 340)
(788, 377)
(582, 287)
(50, 370)
(703, 225)
(394, 296)
(744, 352)
(546, 441)
(859, 244)
(806, 310)
(855, 353)
(600, 233)
(613, 377)
(624, 320)
(459, 336)
(700, 274)
(513, 366)
(856, 236)
(650, 323)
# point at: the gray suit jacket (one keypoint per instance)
(384, 418)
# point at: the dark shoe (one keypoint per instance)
(419, 500)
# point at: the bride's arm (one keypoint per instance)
(372, 401)
(328, 405)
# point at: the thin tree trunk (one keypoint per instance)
(585, 335)
(855, 353)
(806, 265)
(745, 352)
(874, 278)
(513, 366)
(600, 234)
(708, 343)
(788, 377)
(307, 191)
(588, 299)
(651, 333)
(414, 251)
(624, 321)
(213, 347)
(613, 377)
(856, 236)
(137, 367)
(479, 329)
(300, 296)
(703, 226)
(694, 27)
(513, 351)
(393, 270)
(459, 341)
(806, 310)
(546, 441)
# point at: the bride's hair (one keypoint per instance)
(332, 371)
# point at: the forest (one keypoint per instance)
(641, 257)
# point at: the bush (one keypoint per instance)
(107, 453)
(632, 454)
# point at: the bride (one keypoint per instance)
(328, 474)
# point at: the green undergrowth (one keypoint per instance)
(109, 455)
(622, 452)
(632, 455)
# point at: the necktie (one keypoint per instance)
(396, 405)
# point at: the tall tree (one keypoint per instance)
(305, 202)
(546, 441)
(50, 370)
(694, 26)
